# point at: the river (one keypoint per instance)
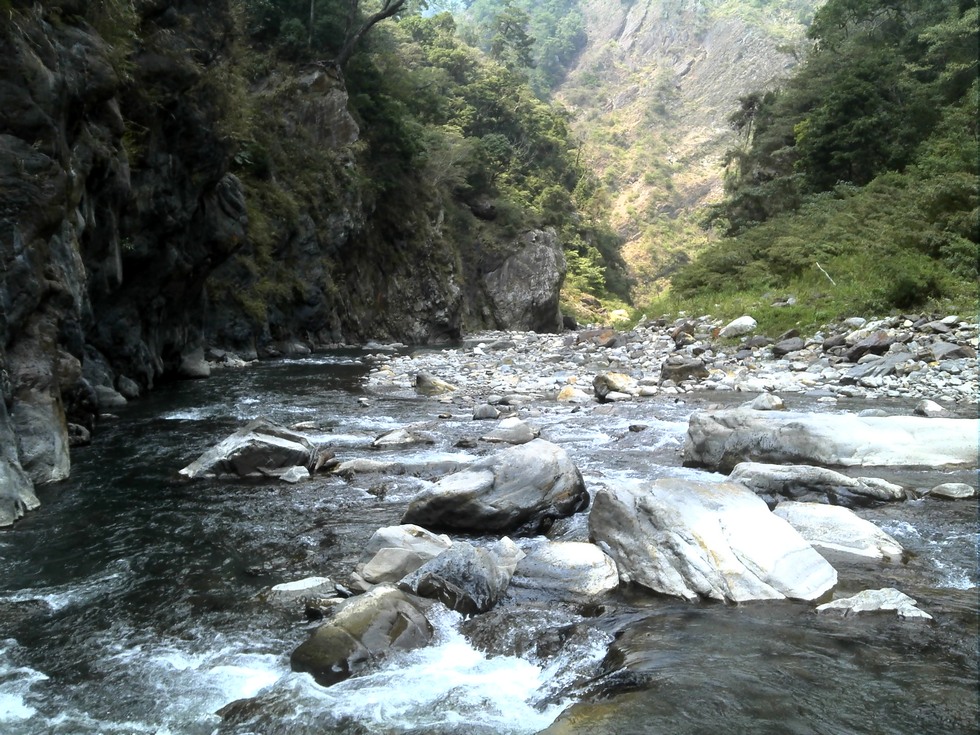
(129, 602)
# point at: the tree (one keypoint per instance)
(355, 34)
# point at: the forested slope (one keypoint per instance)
(855, 186)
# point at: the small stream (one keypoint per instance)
(129, 600)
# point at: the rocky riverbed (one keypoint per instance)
(914, 357)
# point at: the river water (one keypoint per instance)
(129, 602)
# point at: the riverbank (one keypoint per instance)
(914, 357)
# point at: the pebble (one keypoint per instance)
(520, 368)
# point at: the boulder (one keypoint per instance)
(954, 491)
(705, 540)
(308, 590)
(256, 450)
(524, 291)
(395, 551)
(362, 630)
(566, 570)
(571, 394)
(680, 367)
(429, 385)
(796, 481)
(466, 578)
(766, 402)
(399, 438)
(839, 529)
(946, 351)
(512, 430)
(738, 327)
(786, 346)
(520, 489)
(607, 383)
(886, 599)
(721, 439)
(876, 343)
(485, 412)
(194, 365)
(930, 409)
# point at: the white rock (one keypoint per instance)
(294, 475)
(301, 589)
(567, 571)
(738, 327)
(394, 551)
(714, 540)
(887, 598)
(721, 439)
(512, 430)
(766, 402)
(839, 529)
(954, 491)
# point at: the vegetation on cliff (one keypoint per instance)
(855, 186)
(454, 157)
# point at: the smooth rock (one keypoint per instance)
(466, 578)
(427, 384)
(606, 383)
(394, 551)
(766, 402)
(954, 491)
(571, 394)
(401, 438)
(521, 489)
(310, 588)
(253, 451)
(795, 481)
(362, 630)
(839, 529)
(194, 365)
(738, 327)
(512, 430)
(485, 412)
(930, 409)
(570, 571)
(786, 346)
(679, 368)
(705, 540)
(721, 439)
(886, 599)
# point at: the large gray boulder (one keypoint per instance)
(571, 571)
(255, 450)
(795, 481)
(395, 551)
(705, 540)
(519, 490)
(466, 578)
(834, 528)
(524, 291)
(363, 629)
(721, 439)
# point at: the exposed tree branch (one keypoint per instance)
(388, 9)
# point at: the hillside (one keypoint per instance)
(651, 94)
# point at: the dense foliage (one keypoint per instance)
(858, 179)
(447, 128)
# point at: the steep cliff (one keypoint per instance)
(652, 92)
(164, 188)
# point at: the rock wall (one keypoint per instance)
(121, 135)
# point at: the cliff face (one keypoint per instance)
(138, 224)
(653, 91)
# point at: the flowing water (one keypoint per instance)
(129, 603)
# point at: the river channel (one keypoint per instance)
(130, 602)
